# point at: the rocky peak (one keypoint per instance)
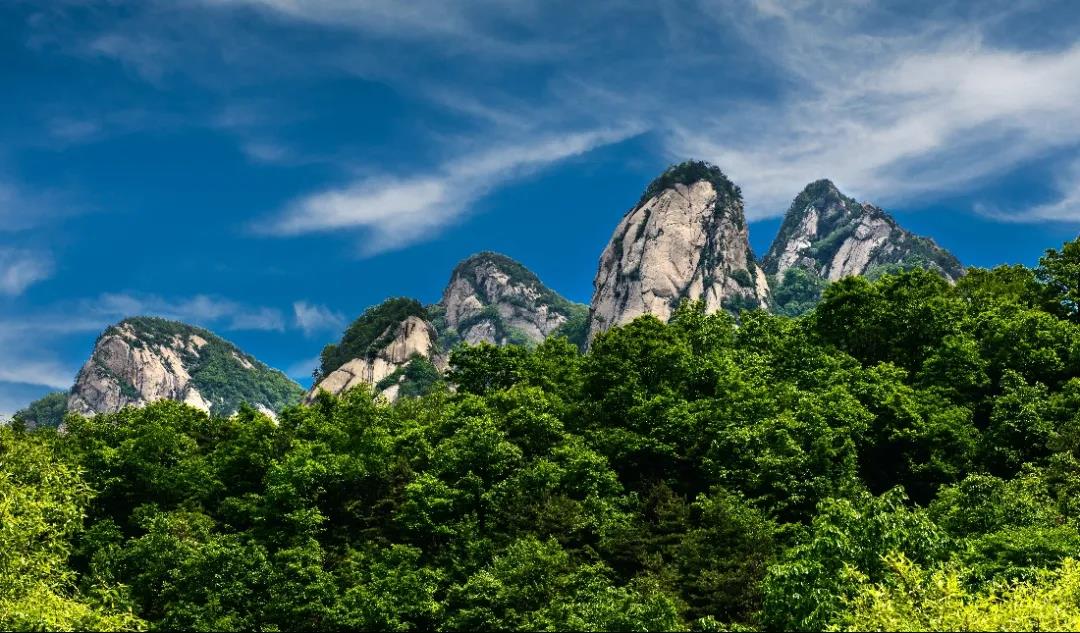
(685, 239)
(492, 298)
(381, 349)
(832, 236)
(144, 359)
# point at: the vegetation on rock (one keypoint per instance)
(224, 375)
(370, 333)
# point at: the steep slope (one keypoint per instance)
(686, 238)
(144, 359)
(392, 348)
(494, 299)
(828, 236)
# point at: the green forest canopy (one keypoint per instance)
(903, 457)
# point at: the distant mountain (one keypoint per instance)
(494, 299)
(685, 239)
(144, 359)
(392, 348)
(826, 236)
(400, 347)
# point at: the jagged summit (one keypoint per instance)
(495, 299)
(399, 347)
(826, 236)
(685, 239)
(833, 236)
(143, 359)
(689, 172)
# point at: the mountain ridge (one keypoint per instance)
(142, 359)
(687, 238)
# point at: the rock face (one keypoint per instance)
(832, 236)
(400, 347)
(686, 238)
(141, 360)
(411, 339)
(494, 299)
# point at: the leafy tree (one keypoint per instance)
(1060, 271)
(48, 411)
(914, 598)
(843, 551)
(42, 499)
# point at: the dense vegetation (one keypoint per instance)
(470, 270)
(690, 172)
(903, 457)
(220, 371)
(370, 333)
(47, 410)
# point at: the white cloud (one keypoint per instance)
(316, 318)
(21, 210)
(399, 212)
(889, 116)
(1066, 208)
(49, 373)
(20, 269)
(199, 309)
(891, 102)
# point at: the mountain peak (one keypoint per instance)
(143, 359)
(686, 239)
(689, 172)
(830, 236)
(495, 299)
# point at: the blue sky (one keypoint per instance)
(270, 168)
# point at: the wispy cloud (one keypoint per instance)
(894, 102)
(914, 124)
(49, 373)
(19, 269)
(27, 339)
(892, 106)
(1065, 208)
(21, 209)
(199, 309)
(316, 318)
(397, 212)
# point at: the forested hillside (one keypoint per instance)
(902, 457)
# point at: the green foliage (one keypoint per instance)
(917, 599)
(742, 277)
(1060, 271)
(906, 456)
(416, 378)
(370, 333)
(47, 410)
(576, 327)
(689, 172)
(222, 373)
(42, 500)
(798, 292)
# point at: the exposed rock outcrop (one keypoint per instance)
(686, 238)
(494, 299)
(411, 340)
(833, 236)
(142, 360)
